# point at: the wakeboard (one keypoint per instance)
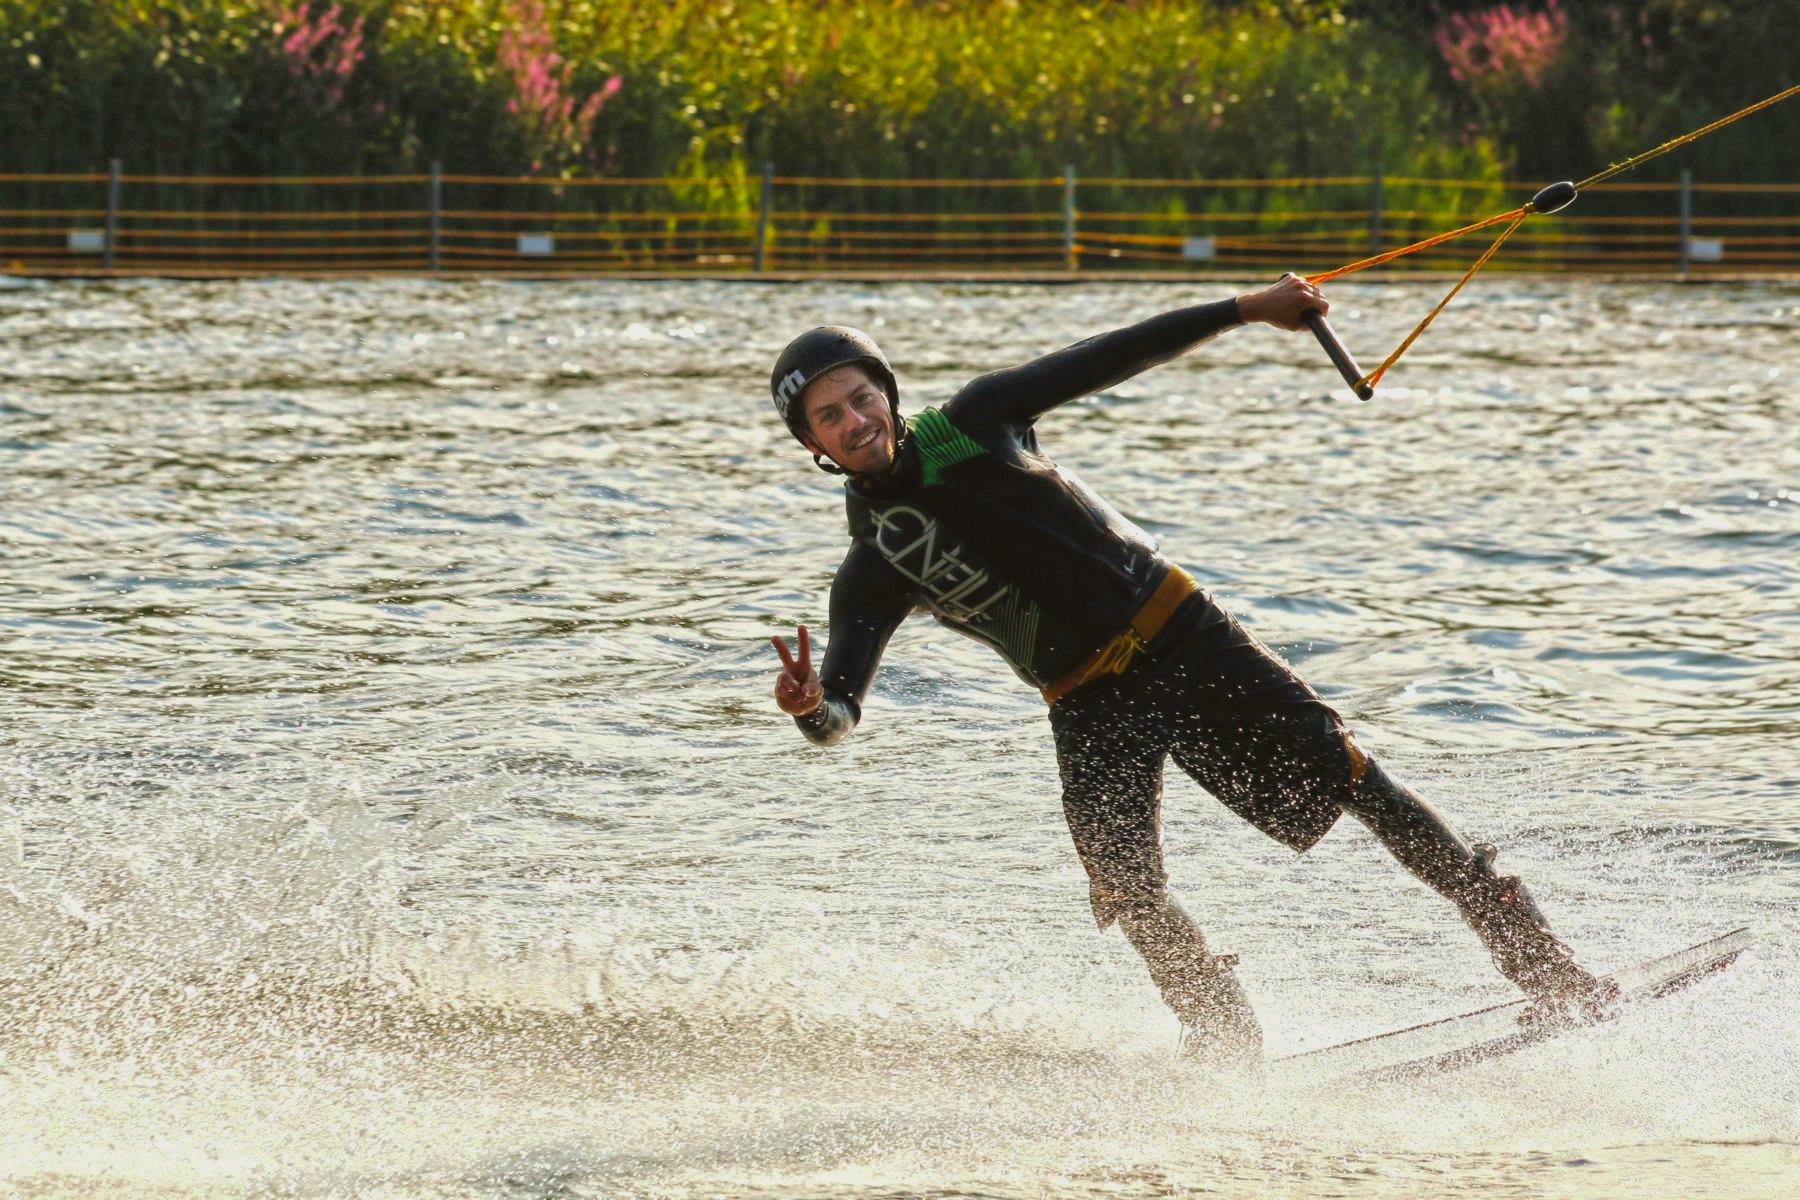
(1451, 1043)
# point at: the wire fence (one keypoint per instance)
(118, 223)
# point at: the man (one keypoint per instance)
(962, 514)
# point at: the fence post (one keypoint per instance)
(114, 170)
(762, 212)
(1687, 215)
(437, 211)
(1375, 204)
(1069, 218)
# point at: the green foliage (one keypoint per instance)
(830, 88)
(919, 88)
(1659, 68)
(1629, 76)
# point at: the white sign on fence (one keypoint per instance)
(1199, 247)
(87, 241)
(1706, 249)
(536, 243)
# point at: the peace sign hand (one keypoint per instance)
(797, 690)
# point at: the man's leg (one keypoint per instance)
(1271, 760)
(1111, 766)
(1497, 907)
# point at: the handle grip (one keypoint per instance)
(1340, 357)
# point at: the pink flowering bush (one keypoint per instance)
(1503, 42)
(1510, 65)
(557, 122)
(321, 51)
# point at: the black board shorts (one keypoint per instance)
(1233, 716)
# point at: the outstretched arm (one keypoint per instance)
(869, 599)
(1019, 395)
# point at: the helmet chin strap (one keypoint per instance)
(900, 432)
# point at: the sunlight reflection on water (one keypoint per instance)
(393, 801)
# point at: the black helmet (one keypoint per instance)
(817, 351)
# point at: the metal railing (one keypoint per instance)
(118, 223)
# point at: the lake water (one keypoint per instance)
(393, 803)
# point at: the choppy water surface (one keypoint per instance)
(392, 802)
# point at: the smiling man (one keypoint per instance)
(962, 514)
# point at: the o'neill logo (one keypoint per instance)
(789, 388)
(960, 590)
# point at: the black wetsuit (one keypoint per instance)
(1000, 543)
(977, 526)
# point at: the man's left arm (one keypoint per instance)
(1018, 395)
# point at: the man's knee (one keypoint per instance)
(1329, 759)
(1358, 759)
(1119, 889)
(1118, 835)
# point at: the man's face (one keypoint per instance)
(849, 420)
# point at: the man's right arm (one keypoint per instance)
(869, 599)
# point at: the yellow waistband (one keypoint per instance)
(1114, 657)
